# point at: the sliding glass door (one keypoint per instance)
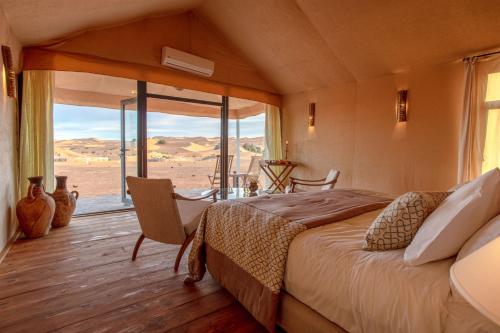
(89, 146)
(108, 128)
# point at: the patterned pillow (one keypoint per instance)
(398, 223)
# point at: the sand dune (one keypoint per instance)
(94, 168)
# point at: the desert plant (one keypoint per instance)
(252, 148)
(208, 157)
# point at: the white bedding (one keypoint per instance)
(366, 291)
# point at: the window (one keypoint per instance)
(491, 153)
(246, 141)
(104, 132)
(87, 137)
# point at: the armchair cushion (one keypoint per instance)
(190, 213)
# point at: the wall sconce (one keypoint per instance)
(312, 114)
(402, 106)
(10, 74)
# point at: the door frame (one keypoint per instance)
(142, 162)
(123, 148)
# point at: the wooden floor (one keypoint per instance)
(80, 279)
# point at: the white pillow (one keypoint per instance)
(455, 220)
(486, 234)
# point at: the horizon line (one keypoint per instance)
(163, 137)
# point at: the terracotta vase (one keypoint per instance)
(253, 185)
(65, 203)
(36, 210)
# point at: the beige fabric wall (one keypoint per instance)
(330, 144)
(8, 121)
(356, 131)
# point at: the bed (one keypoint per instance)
(365, 291)
(329, 284)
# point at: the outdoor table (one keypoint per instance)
(277, 179)
(236, 179)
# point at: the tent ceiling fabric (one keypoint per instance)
(304, 44)
(376, 37)
(281, 42)
(298, 45)
(44, 21)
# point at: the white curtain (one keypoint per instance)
(274, 148)
(37, 137)
(474, 117)
(469, 158)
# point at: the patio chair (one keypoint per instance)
(327, 183)
(215, 178)
(254, 168)
(253, 171)
(166, 216)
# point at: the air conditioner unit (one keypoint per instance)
(186, 62)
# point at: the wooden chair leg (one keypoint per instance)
(137, 246)
(182, 249)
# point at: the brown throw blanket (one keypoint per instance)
(245, 242)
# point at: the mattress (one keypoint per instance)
(365, 291)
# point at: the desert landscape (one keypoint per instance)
(93, 166)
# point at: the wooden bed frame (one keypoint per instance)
(296, 317)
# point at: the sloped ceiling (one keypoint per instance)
(304, 44)
(42, 21)
(375, 37)
(297, 44)
(280, 40)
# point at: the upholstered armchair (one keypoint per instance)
(166, 216)
(326, 183)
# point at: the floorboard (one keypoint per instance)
(80, 279)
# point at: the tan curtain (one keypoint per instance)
(469, 157)
(475, 117)
(274, 148)
(37, 139)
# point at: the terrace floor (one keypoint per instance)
(80, 279)
(99, 203)
(112, 202)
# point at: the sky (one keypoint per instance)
(79, 122)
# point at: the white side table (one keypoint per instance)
(477, 279)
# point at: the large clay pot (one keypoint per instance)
(65, 203)
(35, 212)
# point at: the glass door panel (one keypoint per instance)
(185, 149)
(246, 141)
(87, 137)
(183, 138)
(128, 145)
